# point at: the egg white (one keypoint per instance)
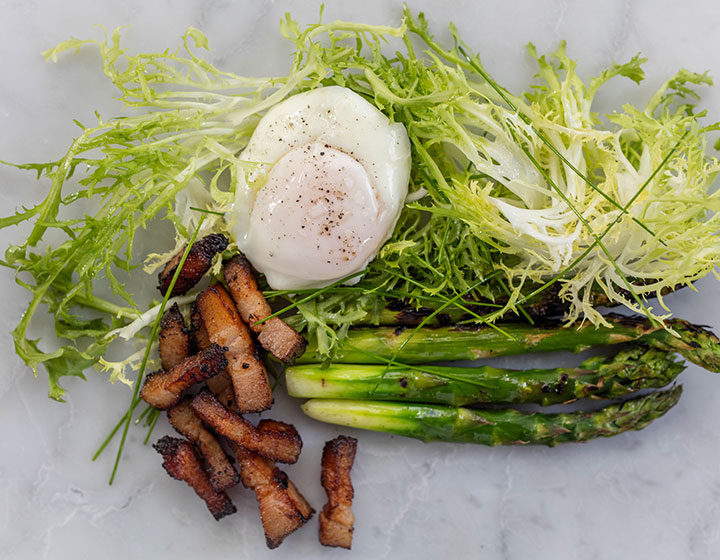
(335, 176)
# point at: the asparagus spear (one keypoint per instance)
(547, 303)
(378, 345)
(493, 427)
(639, 367)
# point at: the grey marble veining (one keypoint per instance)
(653, 494)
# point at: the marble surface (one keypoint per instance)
(653, 494)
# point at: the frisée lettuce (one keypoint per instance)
(509, 194)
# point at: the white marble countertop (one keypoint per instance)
(651, 494)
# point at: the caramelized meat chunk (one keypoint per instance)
(281, 444)
(181, 462)
(198, 262)
(281, 340)
(197, 328)
(225, 327)
(222, 387)
(283, 509)
(220, 470)
(174, 338)
(242, 283)
(275, 335)
(336, 518)
(162, 389)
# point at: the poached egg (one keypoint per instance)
(334, 173)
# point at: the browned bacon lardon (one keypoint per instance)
(198, 262)
(221, 384)
(336, 518)
(275, 335)
(197, 328)
(220, 470)
(283, 509)
(242, 283)
(181, 462)
(283, 445)
(174, 338)
(225, 327)
(162, 389)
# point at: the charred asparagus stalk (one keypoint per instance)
(639, 367)
(547, 303)
(378, 345)
(493, 427)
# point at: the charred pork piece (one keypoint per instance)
(174, 338)
(220, 470)
(225, 327)
(221, 385)
(182, 462)
(282, 445)
(275, 335)
(162, 389)
(283, 509)
(197, 328)
(198, 262)
(336, 518)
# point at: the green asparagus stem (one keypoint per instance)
(694, 343)
(493, 427)
(545, 304)
(378, 345)
(639, 367)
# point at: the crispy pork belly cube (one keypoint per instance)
(225, 327)
(283, 445)
(218, 466)
(163, 389)
(174, 338)
(197, 328)
(220, 470)
(281, 340)
(283, 509)
(336, 518)
(181, 461)
(222, 387)
(198, 262)
(275, 335)
(221, 384)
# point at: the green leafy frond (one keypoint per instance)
(509, 194)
